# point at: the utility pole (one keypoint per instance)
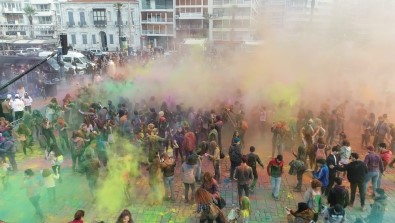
(119, 21)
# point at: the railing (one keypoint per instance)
(191, 15)
(70, 24)
(187, 27)
(13, 10)
(100, 23)
(81, 24)
(157, 32)
(158, 20)
(156, 7)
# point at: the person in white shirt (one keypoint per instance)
(49, 182)
(28, 102)
(18, 106)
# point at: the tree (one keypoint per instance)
(30, 12)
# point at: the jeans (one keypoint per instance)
(276, 183)
(255, 173)
(169, 182)
(240, 188)
(371, 176)
(299, 177)
(361, 189)
(75, 159)
(34, 200)
(192, 186)
(217, 173)
(279, 148)
(379, 180)
(233, 166)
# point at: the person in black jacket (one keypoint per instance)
(356, 171)
(338, 194)
(234, 156)
(332, 162)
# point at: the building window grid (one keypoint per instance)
(111, 39)
(82, 18)
(44, 20)
(84, 39)
(93, 39)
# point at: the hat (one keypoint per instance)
(338, 208)
(16, 96)
(236, 140)
(302, 206)
(310, 121)
(370, 148)
(9, 96)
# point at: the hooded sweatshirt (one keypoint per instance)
(338, 195)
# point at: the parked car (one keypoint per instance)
(98, 52)
(79, 60)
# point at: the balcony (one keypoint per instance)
(15, 22)
(157, 20)
(44, 12)
(100, 23)
(82, 24)
(191, 27)
(157, 8)
(191, 16)
(13, 10)
(70, 24)
(158, 32)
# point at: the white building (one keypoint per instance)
(14, 22)
(94, 24)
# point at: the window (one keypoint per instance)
(93, 39)
(99, 17)
(44, 20)
(71, 19)
(111, 39)
(82, 18)
(73, 39)
(84, 39)
(42, 8)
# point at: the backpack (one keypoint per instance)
(214, 211)
(320, 152)
(189, 140)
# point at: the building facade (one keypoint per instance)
(14, 22)
(97, 24)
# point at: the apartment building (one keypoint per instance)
(94, 24)
(15, 23)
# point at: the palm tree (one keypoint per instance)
(30, 12)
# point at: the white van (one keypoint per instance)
(78, 60)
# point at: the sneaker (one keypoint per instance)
(276, 198)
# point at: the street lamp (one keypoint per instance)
(118, 7)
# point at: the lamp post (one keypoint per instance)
(118, 6)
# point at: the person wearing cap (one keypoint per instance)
(375, 168)
(234, 156)
(7, 109)
(275, 171)
(18, 106)
(335, 214)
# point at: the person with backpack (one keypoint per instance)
(313, 197)
(252, 160)
(301, 159)
(234, 156)
(243, 174)
(338, 194)
(189, 143)
(303, 214)
(275, 171)
(335, 214)
(356, 172)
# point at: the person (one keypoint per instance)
(125, 217)
(154, 181)
(234, 156)
(205, 205)
(178, 142)
(215, 157)
(189, 143)
(376, 214)
(18, 106)
(243, 174)
(322, 174)
(332, 162)
(303, 214)
(335, 214)
(211, 185)
(55, 156)
(49, 183)
(338, 194)
(4, 169)
(313, 198)
(91, 167)
(375, 168)
(302, 158)
(27, 100)
(7, 149)
(188, 171)
(78, 217)
(380, 131)
(23, 134)
(7, 109)
(33, 192)
(168, 166)
(278, 138)
(62, 127)
(77, 149)
(245, 210)
(356, 172)
(385, 155)
(252, 160)
(275, 170)
(47, 131)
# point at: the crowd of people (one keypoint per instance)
(171, 136)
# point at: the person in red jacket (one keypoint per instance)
(78, 217)
(275, 170)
